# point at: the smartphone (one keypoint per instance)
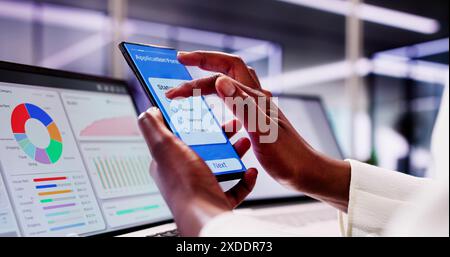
(190, 119)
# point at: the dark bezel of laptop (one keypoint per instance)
(39, 71)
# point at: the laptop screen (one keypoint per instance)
(72, 159)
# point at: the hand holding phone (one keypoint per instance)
(190, 119)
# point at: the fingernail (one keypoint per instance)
(152, 110)
(141, 116)
(181, 53)
(227, 88)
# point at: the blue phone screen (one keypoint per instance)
(190, 119)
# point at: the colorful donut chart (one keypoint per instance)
(19, 117)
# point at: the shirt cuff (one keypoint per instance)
(375, 195)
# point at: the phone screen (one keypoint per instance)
(190, 119)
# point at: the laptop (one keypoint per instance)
(72, 159)
(73, 162)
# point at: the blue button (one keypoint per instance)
(224, 165)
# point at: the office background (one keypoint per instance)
(379, 65)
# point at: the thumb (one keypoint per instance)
(245, 186)
(156, 133)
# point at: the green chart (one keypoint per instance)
(122, 172)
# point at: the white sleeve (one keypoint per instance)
(232, 224)
(375, 196)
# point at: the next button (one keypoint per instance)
(224, 165)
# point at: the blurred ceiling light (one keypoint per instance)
(50, 14)
(432, 48)
(419, 50)
(99, 22)
(200, 37)
(145, 28)
(429, 72)
(75, 17)
(15, 10)
(416, 70)
(374, 14)
(315, 75)
(54, 15)
(76, 51)
(393, 67)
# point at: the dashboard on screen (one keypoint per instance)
(72, 159)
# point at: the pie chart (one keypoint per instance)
(25, 112)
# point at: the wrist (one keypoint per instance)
(326, 179)
(192, 216)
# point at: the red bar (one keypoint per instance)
(48, 179)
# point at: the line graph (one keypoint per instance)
(96, 117)
(112, 127)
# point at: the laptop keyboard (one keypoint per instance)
(170, 233)
(287, 216)
(300, 218)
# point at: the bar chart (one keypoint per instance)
(120, 212)
(59, 203)
(119, 170)
(122, 171)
